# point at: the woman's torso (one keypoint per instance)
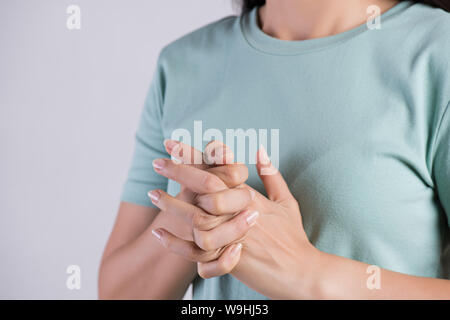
(355, 118)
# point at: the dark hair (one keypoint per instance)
(248, 5)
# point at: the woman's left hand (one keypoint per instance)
(276, 253)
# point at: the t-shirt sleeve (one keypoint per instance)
(442, 162)
(148, 146)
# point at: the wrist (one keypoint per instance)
(309, 275)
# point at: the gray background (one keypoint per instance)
(69, 107)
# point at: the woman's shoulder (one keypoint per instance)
(435, 22)
(425, 36)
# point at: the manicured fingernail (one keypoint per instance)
(176, 150)
(176, 154)
(263, 156)
(251, 218)
(235, 250)
(158, 164)
(252, 194)
(170, 144)
(157, 234)
(154, 196)
(209, 155)
(217, 155)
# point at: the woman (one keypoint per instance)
(364, 145)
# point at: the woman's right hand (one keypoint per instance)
(203, 173)
(133, 265)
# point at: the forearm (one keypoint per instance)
(142, 269)
(335, 277)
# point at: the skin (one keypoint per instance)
(149, 254)
(277, 250)
(135, 266)
(310, 19)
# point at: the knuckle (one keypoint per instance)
(172, 171)
(234, 175)
(243, 173)
(207, 256)
(202, 272)
(210, 202)
(217, 203)
(209, 182)
(205, 240)
(199, 221)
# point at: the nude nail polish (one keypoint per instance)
(251, 218)
(171, 144)
(263, 156)
(157, 234)
(154, 196)
(158, 164)
(235, 250)
(176, 150)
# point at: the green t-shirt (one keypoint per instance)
(364, 130)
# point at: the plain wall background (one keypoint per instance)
(70, 101)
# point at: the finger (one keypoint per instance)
(276, 187)
(232, 175)
(197, 180)
(187, 249)
(185, 153)
(225, 264)
(226, 233)
(217, 153)
(225, 202)
(186, 195)
(193, 215)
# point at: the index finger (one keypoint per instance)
(185, 153)
(195, 179)
(216, 153)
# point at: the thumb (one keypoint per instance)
(276, 187)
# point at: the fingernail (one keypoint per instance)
(157, 234)
(158, 164)
(252, 194)
(251, 218)
(176, 154)
(154, 196)
(176, 150)
(235, 250)
(264, 157)
(217, 155)
(170, 144)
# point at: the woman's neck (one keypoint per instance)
(309, 19)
